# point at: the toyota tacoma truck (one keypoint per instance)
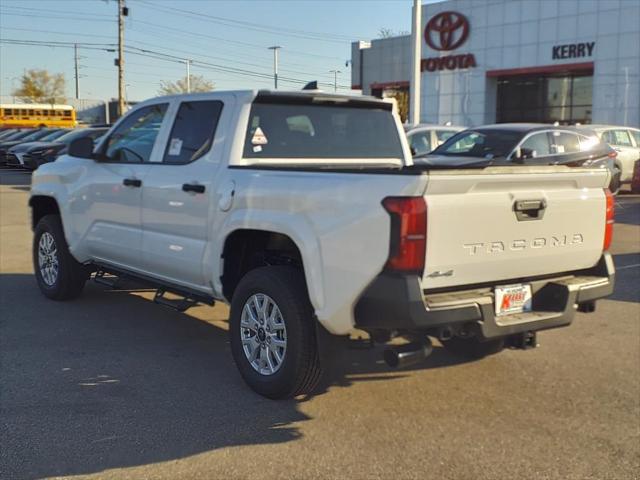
(305, 212)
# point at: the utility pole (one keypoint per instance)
(416, 44)
(122, 12)
(75, 63)
(275, 65)
(335, 79)
(188, 64)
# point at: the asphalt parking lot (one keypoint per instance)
(114, 386)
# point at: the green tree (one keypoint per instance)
(40, 86)
(198, 84)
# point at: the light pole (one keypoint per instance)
(416, 54)
(126, 97)
(275, 49)
(188, 64)
(335, 79)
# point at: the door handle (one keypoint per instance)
(193, 187)
(529, 209)
(132, 182)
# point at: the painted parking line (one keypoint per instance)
(635, 265)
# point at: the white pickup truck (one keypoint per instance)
(304, 211)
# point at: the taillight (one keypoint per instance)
(609, 216)
(408, 233)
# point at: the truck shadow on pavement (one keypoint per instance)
(112, 381)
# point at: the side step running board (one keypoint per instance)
(112, 278)
(111, 281)
(179, 304)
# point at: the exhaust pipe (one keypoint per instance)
(409, 354)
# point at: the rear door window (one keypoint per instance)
(444, 135)
(193, 131)
(564, 142)
(621, 137)
(636, 136)
(538, 144)
(420, 143)
(320, 131)
(617, 137)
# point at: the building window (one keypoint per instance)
(566, 98)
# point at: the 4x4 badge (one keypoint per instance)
(448, 273)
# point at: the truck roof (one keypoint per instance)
(302, 95)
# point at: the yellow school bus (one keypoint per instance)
(37, 115)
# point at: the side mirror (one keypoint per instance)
(81, 148)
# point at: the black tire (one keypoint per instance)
(300, 370)
(615, 184)
(71, 275)
(472, 347)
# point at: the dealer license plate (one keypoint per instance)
(513, 299)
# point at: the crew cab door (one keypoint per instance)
(178, 195)
(110, 199)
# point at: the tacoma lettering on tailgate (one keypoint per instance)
(523, 244)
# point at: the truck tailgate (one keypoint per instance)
(509, 223)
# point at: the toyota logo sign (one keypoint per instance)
(446, 31)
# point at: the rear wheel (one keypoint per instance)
(273, 337)
(59, 275)
(472, 347)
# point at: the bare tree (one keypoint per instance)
(40, 86)
(197, 84)
(384, 32)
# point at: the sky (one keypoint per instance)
(226, 39)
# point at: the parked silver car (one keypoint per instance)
(424, 138)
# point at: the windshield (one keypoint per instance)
(17, 135)
(37, 135)
(480, 144)
(53, 135)
(87, 132)
(310, 131)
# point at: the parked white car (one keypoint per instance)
(306, 212)
(424, 138)
(626, 142)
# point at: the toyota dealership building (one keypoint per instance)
(487, 61)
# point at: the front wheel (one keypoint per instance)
(472, 347)
(59, 275)
(273, 336)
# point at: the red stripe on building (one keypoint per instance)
(565, 67)
(399, 84)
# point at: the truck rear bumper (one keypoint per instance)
(394, 302)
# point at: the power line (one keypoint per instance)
(161, 56)
(56, 17)
(281, 31)
(164, 36)
(165, 27)
(45, 10)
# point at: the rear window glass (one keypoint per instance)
(321, 131)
